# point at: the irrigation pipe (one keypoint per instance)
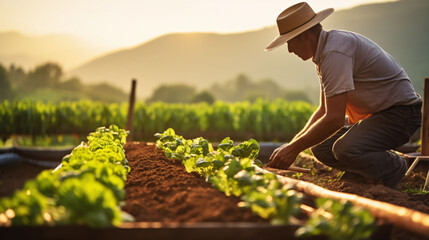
(402, 217)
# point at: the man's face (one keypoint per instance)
(300, 45)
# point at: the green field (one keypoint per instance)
(263, 120)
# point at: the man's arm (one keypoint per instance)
(320, 111)
(321, 129)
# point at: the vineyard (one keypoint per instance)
(262, 120)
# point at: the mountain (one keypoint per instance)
(202, 59)
(29, 51)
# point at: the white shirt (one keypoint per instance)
(349, 62)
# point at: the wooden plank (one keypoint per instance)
(160, 231)
(285, 171)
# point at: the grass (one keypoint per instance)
(337, 177)
(297, 175)
(416, 191)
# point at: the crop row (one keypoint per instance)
(86, 189)
(231, 169)
(262, 120)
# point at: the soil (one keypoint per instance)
(14, 176)
(336, 180)
(160, 190)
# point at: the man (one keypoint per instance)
(359, 79)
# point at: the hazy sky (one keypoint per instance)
(122, 23)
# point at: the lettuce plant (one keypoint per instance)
(86, 189)
(231, 169)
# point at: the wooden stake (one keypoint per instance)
(130, 121)
(425, 123)
(290, 169)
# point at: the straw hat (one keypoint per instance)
(295, 20)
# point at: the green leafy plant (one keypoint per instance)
(297, 175)
(338, 220)
(88, 202)
(231, 169)
(86, 189)
(415, 190)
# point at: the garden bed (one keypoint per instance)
(409, 193)
(159, 189)
(167, 201)
(406, 195)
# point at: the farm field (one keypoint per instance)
(185, 154)
(262, 120)
(159, 189)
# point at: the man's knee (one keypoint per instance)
(344, 151)
(320, 152)
(323, 153)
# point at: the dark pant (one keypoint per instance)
(363, 148)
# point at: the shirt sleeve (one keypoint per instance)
(336, 73)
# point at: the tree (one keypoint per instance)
(232, 90)
(5, 88)
(294, 95)
(73, 84)
(270, 88)
(241, 85)
(242, 81)
(47, 75)
(177, 93)
(106, 93)
(243, 88)
(204, 96)
(17, 76)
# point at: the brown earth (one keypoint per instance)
(160, 190)
(14, 176)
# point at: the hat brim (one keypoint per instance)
(282, 39)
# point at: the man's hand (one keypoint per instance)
(282, 157)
